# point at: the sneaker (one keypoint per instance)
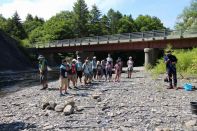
(76, 87)
(70, 87)
(170, 87)
(61, 95)
(66, 93)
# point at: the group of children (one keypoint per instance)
(90, 69)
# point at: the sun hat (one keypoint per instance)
(74, 60)
(94, 57)
(40, 57)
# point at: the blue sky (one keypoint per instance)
(166, 10)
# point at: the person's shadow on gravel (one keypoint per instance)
(16, 126)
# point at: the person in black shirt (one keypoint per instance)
(171, 61)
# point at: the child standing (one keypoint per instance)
(117, 71)
(64, 68)
(74, 73)
(130, 66)
(99, 70)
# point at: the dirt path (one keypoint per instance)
(140, 103)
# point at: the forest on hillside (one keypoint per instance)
(82, 22)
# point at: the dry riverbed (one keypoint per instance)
(140, 103)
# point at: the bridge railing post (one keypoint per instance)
(165, 34)
(130, 37)
(80, 41)
(118, 38)
(107, 39)
(89, 41)
(97, 39)
(181, 33)
(153, 33)
(69, 42)
(142, 36)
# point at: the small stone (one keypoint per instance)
(59, 108)
(98, 121)
(79, 108)
(70, 102)
(105, 107)
(9, 115)
(167, 129)
(44, 105)
(68, 110)
(15, 104)
(96, 96)
(99, 99)
(50, 127)
(51, 105)
(191, 123)
(158, 129)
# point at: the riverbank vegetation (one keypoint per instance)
(186, 65)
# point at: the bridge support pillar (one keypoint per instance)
(151, 55)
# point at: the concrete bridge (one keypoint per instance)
(151, 42)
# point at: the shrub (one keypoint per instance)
(187, 62)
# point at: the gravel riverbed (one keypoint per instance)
(140, 103)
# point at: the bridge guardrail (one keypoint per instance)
(155, 34)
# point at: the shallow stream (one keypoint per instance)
(14, 81)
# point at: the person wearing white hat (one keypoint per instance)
(130, 67)
(94, 67)
(43, 71)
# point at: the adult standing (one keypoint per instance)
(130, 67)
(103, 63)
(94, 67)
(170, 61)
(79, 68)
(109, 66)
(43, 71)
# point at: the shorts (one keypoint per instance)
(74, 76)
(130, 69)
(64, 82)
(109, 73)
(87, 75)
(43, 77)
(99, 72)
(79, 74)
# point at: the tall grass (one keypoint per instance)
(187, 62)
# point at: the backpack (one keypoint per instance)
(73, 68)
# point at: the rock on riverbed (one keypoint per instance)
(139, 103)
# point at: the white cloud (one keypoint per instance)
(48, 8)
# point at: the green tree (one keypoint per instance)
(15, 28)
(188, 18)
(148, 23)
(81, 17)
(95, 21)
(3, 22)
(114, 18)
(56, 28)
(32, 23)
(126, 25)
(105, 26)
